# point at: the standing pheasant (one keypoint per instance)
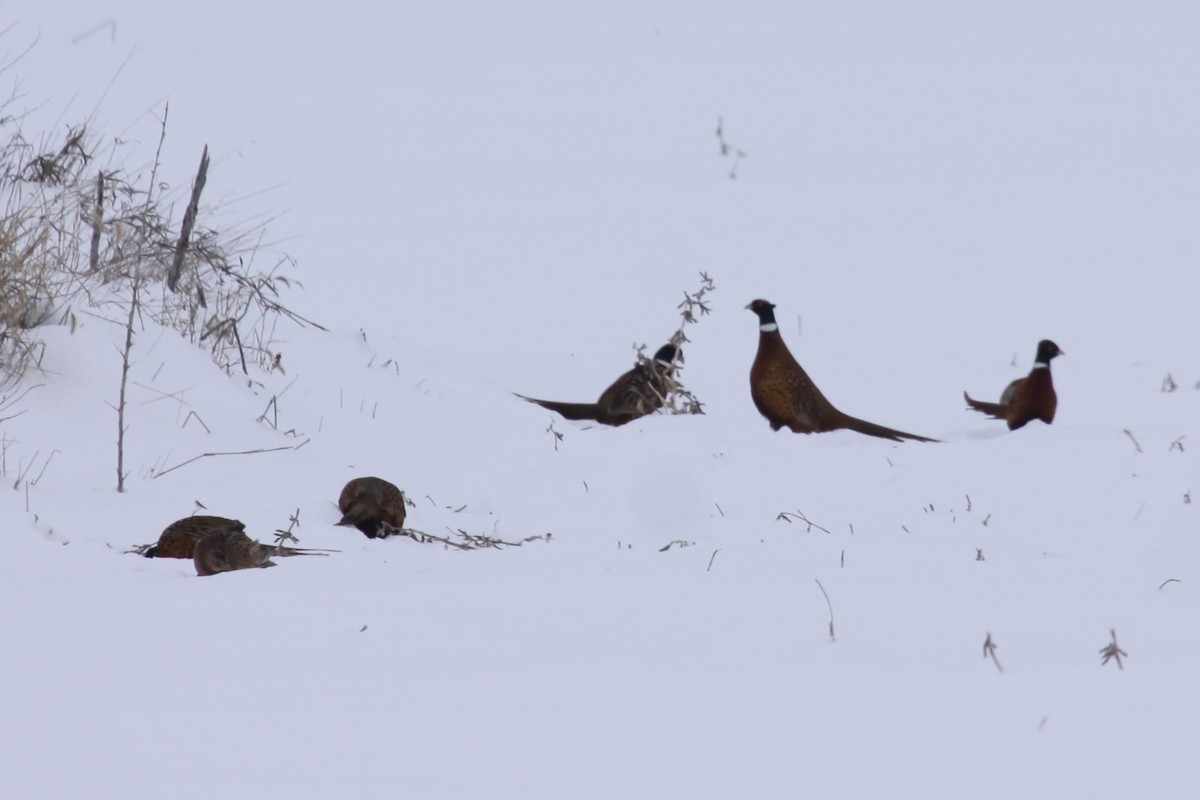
(788, 398)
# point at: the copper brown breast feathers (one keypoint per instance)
(373, 506)
(788, 398)
(1029, 398)
(640, 391)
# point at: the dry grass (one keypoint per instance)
(78, 233)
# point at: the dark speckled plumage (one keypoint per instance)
(788, 398)
(638, 392)
(181, 538)
(373, 506)
(1029, 398)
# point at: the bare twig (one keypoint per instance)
(23, 471)
(712, 558)
(189, 222)
(197, 416)
(97, 224)
(133, 307)
(273, 409)
(1113, 651)
(787, 516)
(282, 536)
(558, 437)
(989, 651)
(727, 150)
(829, 605)
(43, 470)
(229, 453)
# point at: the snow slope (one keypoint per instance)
(485, 199)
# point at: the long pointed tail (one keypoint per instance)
(300, 551)
(991, 409)
(871, 429)
(576, 411)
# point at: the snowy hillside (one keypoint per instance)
(485, 199)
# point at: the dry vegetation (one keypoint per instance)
(80, 235)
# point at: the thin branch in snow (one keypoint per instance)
(230, 453)
(558, 437)
(786, 516)
(829, 605)
(989, 651)
(1112, 651)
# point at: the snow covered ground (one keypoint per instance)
(490, 198)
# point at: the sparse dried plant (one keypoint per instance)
(283, 536)
(558, 436)
(678, 399)
(728, 150)
(787, 516)
(989, 651)
(77, 228)
(829, 605)
(459, 539)
(1112, 652)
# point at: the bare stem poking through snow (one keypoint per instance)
(1112, 651)
(829, 605)
(989, 651)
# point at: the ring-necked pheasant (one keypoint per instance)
(788, 398)
(638, 392)
(179, 539)
(1029, 398)
(228, 550)
(372, 505)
